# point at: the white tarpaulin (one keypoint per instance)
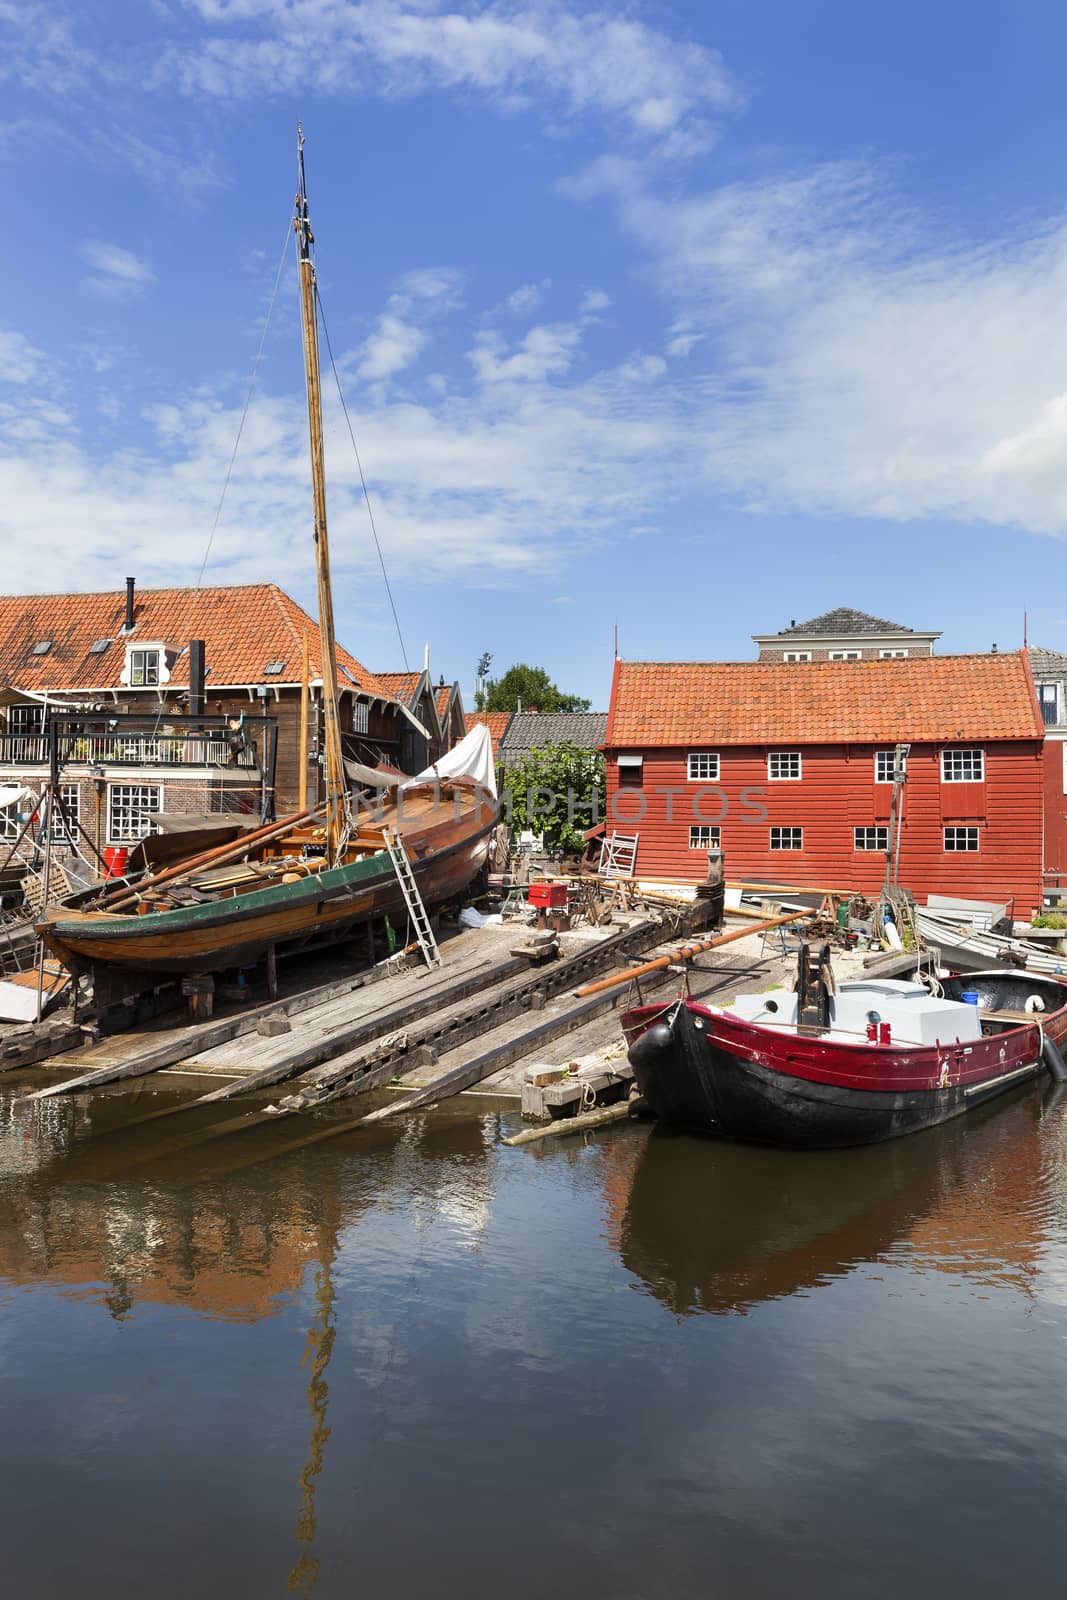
(12, 793)
(471, 758)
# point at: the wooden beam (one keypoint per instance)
(686, 952)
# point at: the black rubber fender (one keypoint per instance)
(1052, 1056)
(654, 1045)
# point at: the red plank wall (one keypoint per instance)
(1055, 811)
(835, 794)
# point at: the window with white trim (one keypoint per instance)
(875, 838)
(963, 765)
(130, 809)
(144, 669)
(11, 821)
(783, 765)
(884, 763)
(797, 655)
(961, 839)
(846, 655)
(360, 716)
(631, 771)
(787, 838)
(892, 655)
(64, 827)
(701, 837)
(703, 766)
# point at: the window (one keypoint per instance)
(891, 655)
(871, 838)
(883, 765)
(630, 770)
(274, 669)
(704, 838)
(64, 827)
(961, 838)
(25, 724)
(787, 838)
(360, 716)
(1049, 693)
(703, 766)
(783, 764)
(846, 655)
(130, 808)
(98, 646)
(41, 649)
(144, 669)
(962, 766)
(798, 655)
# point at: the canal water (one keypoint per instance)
(414, 1362)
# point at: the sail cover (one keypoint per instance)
(472, 757)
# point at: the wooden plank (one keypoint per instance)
(564, 1125)
(180, 1043)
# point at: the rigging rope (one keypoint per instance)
(362, 479)
(247, 404)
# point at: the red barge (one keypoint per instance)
(827, 1065)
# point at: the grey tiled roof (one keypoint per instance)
(533, 730)
(1046, 661)
(844, 620)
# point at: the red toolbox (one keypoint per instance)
(547, 896)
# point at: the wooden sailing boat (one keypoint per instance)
(311, 876)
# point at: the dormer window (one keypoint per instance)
(144, 669)
(146, 666)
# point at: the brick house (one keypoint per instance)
(113, 670)
(789, 769)
(844, 635)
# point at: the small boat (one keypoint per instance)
(825, 1066)
(311, 877)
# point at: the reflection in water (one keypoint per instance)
(233, 1333)
(717, 1227)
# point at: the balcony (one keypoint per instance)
(138, 742)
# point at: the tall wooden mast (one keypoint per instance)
(336, 787)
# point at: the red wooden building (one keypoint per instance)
(790, 769)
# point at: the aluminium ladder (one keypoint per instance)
(420, 919)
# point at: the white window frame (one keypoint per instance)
(143, 654)
(845, 655)
(892, 655)
(797, 655)
(961, 849)
(116, 808)
(70, 794)
(782, 755)
(697, 839)
(957, 753)
(790, 829)
(881, 843)
(360, 716)
(888, 759)
(710, 758)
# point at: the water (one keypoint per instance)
(414, 1362)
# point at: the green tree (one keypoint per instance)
(534, 687)
(558, 790)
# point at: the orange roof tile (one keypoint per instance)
(244, 626)
(444, 695)
(402, 686)
(495, 721)
(921, 698)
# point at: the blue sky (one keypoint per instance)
(693, 317)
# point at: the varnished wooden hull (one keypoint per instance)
(239, 931)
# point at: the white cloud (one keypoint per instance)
(485, 486)
(116, 273)
(593, 302)
(599, 62)
(20, 361)
(393, 345)
(863, 363)
(545, 352)
(527, 297)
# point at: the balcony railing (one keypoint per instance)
(124, 741)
